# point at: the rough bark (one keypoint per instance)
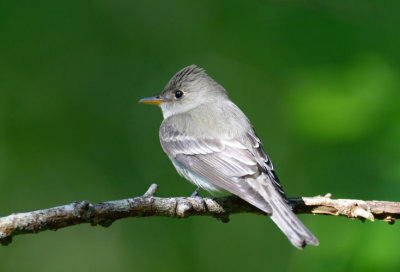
(105, 213)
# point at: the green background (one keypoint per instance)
(320, 82)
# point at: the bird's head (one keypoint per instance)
(186, 90)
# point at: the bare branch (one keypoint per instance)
(106, 213)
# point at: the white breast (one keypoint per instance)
(195, 179)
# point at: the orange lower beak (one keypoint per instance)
(154, 100)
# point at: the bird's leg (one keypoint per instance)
(196, 193)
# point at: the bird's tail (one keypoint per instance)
(272, 200)
(288, 222)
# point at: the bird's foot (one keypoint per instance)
(196, 195)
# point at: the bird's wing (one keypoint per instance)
(225, 162)
(243, 171)
(264, 161)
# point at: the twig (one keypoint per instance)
(106, 213)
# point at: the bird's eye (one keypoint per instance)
(178, 94)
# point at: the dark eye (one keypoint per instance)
(178, 94)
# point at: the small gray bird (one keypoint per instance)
(213, 145)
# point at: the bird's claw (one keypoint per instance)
(196, 195)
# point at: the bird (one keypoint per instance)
(212, 143)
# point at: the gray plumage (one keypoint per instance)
(212, 144)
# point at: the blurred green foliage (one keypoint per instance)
(319, 80)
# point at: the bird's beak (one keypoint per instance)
(154, 100)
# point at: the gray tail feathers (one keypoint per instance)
(289, 224)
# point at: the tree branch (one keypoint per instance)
(105, 213)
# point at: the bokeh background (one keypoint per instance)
(318, 79)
